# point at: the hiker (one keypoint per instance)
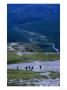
(32, 68)
(29, 67)
(40, 66)
(26, 67)
(17, 67)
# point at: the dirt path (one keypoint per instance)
(45, 66)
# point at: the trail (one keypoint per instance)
(46, 66)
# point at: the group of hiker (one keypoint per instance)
(29, 67)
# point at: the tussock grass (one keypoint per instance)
(12, 57)
(23, 74)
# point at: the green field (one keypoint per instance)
(54, 75)
(22, 74)
(14, 58)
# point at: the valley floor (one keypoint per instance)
(47, 75)
(27, 68)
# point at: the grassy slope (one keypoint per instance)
(54, 75)
(22, 74)
(13, 58)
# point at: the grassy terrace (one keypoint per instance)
(14, 58)
(54, 75)
(22, 74)
(25, 75)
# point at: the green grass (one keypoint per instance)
(23, 74)
(13, 58)
(54, 75)
(41, 56)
